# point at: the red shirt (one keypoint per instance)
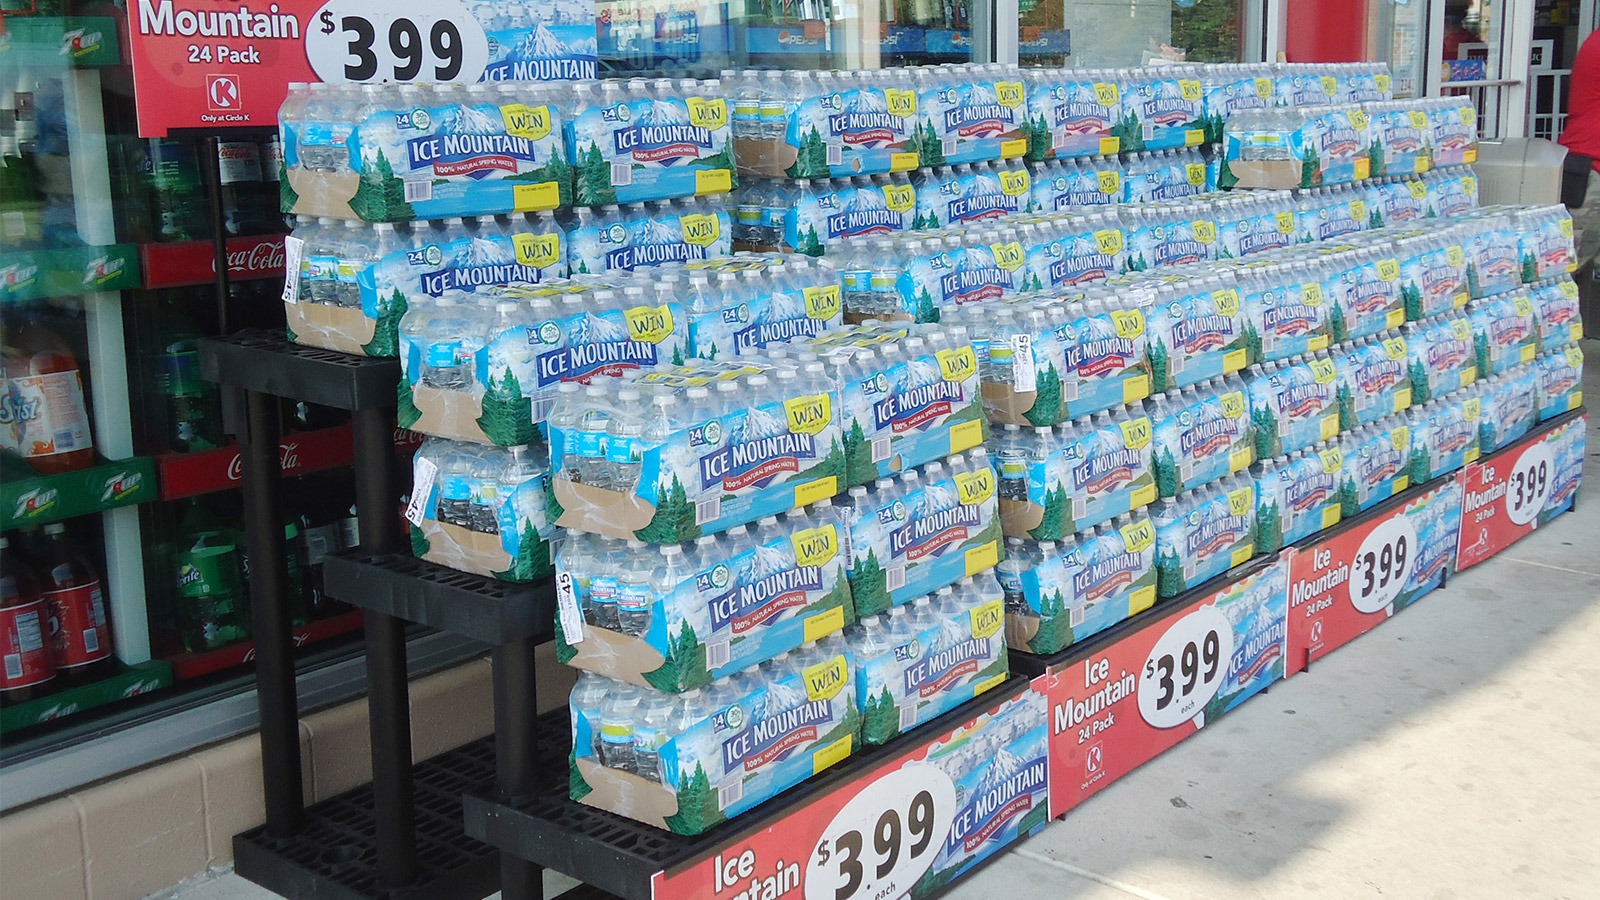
(1582, 131)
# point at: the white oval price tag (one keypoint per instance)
(1382, 564)
(885, 838)
(1528, 485)
(1185, 669)
(399, 40)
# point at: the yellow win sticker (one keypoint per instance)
(1574, 356)
(1324, 371)
(1358, 119)
(825, 680)
(988, 619)
(809, 414)
(1107, 94)
(1013, 183)
(1233, 404)
(1332, 460)
(1205, 232)
(1139, 536)
(1008, 93)
(1522, 304)
(1330, 85)
(1108, 241)
(902, 197)
(1419, 191)
(822, 302)
(1566, 228)
(1226, 301)
(1195, 173)
(1129, 322)
(1285, 222)
(537, 251)
(1388, 269)
(704, 113)
(1009, 256)
(1455, 255)
(1358, 210)
(1400, 438)
(1189, 88)
(1569, 289)
(973, 488)
(816, 547)
(1472, 409)
(901, 103)
(1419, 119)
(1240, 501)
(531, 122)
(701, 231)
(1109, 182)
(1135, 432)
(1264, 88)
(649, 324)
(1461, 329)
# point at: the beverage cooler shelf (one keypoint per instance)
(187, 263)
(69, 272)
(264, 361)
(41, 499)
(129, 681)
(206, 662)
(473, 606)
(334, 857)
(299, 453)
(621, 856)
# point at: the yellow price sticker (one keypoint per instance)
(812, 491)
(982, 558)
(1566, 228)
(1330, 427)
(536, 197)
(1110, 146)
(712, 181)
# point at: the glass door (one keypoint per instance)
(1129, 32)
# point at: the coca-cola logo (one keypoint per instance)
(260, 257)
(405, 437)
(288, 460)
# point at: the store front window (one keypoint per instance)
(1093, 33)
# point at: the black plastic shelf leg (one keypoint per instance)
(516, 752)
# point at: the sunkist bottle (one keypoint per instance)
(29, 668)
(80, 629)
(43, 415)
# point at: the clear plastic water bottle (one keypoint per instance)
(923, 615)
(484, 514)
(588, 695)
(624, 439)
(322, 252)
(593, 430)
(604, 586)
(616, 728)
(635, 594)
(649, 732)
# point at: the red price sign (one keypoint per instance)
(1514, 491)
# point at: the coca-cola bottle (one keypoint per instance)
(245, 202)
(43, 415)
(80, 630)
(29, 669)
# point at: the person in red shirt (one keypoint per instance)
(1581, 137)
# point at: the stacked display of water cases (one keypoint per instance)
(393, 155)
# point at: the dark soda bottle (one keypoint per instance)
(175, 197)
(80, 630)
(29, 669)
(210, 581)
(193, 408)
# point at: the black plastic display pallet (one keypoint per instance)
(483, 609)
(266, 362)
(621, 856)
(334, 856)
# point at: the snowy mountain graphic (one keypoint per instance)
(935, 498)
(764, 562)
(781, 697)
(867, 101)
(656, 232)
(917, 373)
(591, 329)
(950, 634)
(540, 43)
(482, 252)
(783, 306)
(471, 120)
(758, 423)
(661, 112)
(1001, 769)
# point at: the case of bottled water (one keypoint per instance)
(1074, 185)
(926, 658)
(487, 366)
(481, 509)
(1556, 309)
(1170, 234)
(1433, 270)
(1374, 380)
(1494, 250)
(1441, 355)
(1377, 463)
(1258, 607)
(1444, 435)
(1569, 443)
(355, 282)
(927, 529)
(1397, 201)
(975, 192)
(677, 616)
(1406, 134)
(1454, 123)
(746, 303)
(697, 449)
(688, 762)
(1504, 332)
(1157, 176)
(1510, 407)
(1547, 248)
(817, 215)
(825, 124)
(999, 763)
(1560, 381)
(1285, 307)
(1451, 192)
(1060, 593)
(1436, 516)
(1202, 433)
(1196, 332)
(1232, 88)
(1258, 222)
(547, 42)
(1324, 214)
(915, 276)
(971, 113)
(393, 153)
(1073, 113)
(640, 235)
(1299, 85)
(1298, 495)
(1363, 280)
(1057, 481)
(1294, 403)
(649, 139)
(1204, 533)
(1299, 147)
(1162, 109)
(907, 395)
(1067, 250)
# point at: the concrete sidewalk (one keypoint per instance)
(1453, 753)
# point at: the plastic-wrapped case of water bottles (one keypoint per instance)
(676, 616)
(1444, 435)
(1374, 379)
(637, 140)
(929, 527)
(1060, 592)
(1560, 381)
(487, 365)
(812, 217)
(1202, 433)
(1510, 404)
(1056, 481)
(688, 762)
(1307, 145)
(954, 195)
(1204, 533)
(925, 658)
(355, 281)
(1377, 463)
(481, 509)
(1504, 332)
(1294, 403)
(613, 238)
(393, 153)
(1298, 495)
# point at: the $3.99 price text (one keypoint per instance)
(1185, 669)
(400, 41)
(885, 838)
(890, 837)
